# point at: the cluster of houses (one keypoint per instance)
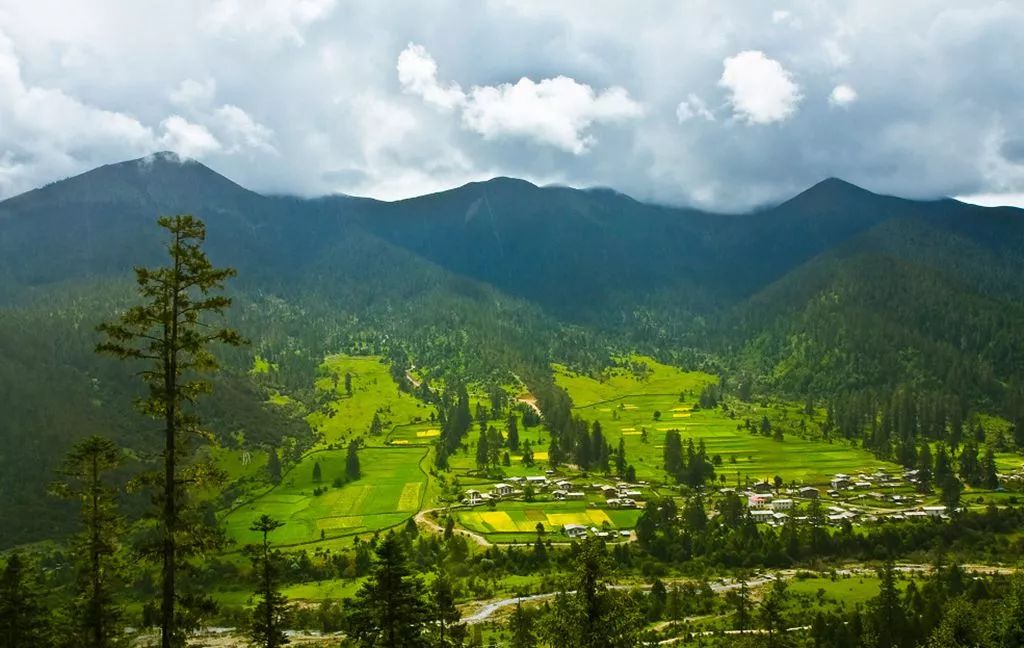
(620, 495)
(766, 508)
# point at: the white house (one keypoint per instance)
(934, 511)
(610, 491)
(502, 490)
(574, 495)
(809, 492)
(537, 480)
(575, 530)
(761, 515)
(473, 497)
(564, 484)
(782, 505)
(756, 500)
(558, 494)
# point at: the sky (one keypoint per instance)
(719, 104)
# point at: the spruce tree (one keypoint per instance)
(352, 469)
(520, 626)
(389, 611)
(447, 629)
(85, 476)
(171, 332)
(23, 622)
(273, 466)
(512, 433)
(317, 473)
(270, 614)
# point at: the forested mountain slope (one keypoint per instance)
(837, 289)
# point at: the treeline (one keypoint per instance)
(668, 534)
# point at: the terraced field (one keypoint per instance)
(642, 410)
(523, 517)
(390, 491)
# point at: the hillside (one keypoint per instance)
(837, 289)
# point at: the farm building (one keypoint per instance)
(762, 515)
(537, 480)
(761, 487)
(502, 490)
(473, 497)
(558, 494)
(610, 491)
(756, 500)
(782, 505)
(809, 492)
(934, 511)
(575, 495)
(575, 530)
(564, 484)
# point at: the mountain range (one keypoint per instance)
(837, 290)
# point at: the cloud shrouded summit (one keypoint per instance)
(725, 105)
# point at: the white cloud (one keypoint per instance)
(269, 22)
(241, 130)
(417, 72)
(761, 91)
(558, 112)
(994, 199)
(780, 16)
(836, 55)
(842, 95)
(194, 93)
(693, 106)
(187, 139)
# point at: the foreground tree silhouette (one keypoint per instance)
(389, 610)
(95, 615)
(598, 616)
(169, 333)
(271, 612)
(23, 622)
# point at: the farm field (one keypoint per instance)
(625, 405)
(390, 490)
(373, 391)
(523, 517)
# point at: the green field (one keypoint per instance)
(625, 405)
(373, 391)
(390, 491)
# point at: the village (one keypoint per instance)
(879, 497)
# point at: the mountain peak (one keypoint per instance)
(828, 193)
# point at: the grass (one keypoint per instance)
(373, 391)
(626, 404)
(389, 492)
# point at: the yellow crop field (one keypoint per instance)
(499, 521)
(681, 415)
(540, 456)
(426, 434)
(409, 500)
(400, 442)
(598, 517)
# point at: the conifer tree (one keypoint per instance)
(317, 473)
(520, 626)
(270, 614)
(171, 334)
(448, 630)
(84, 476)
(512, 433)
(388, 611)
(23, 622)
(352, 469)
(273, 466)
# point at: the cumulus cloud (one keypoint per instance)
(187, 139)
(842, 96)
(761, 91)
(558, 112)
(691, 107)
(302, 97)
(417, 72)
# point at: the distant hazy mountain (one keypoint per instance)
(837, 289)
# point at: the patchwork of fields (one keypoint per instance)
(390, 491)
(625, 405)
(523, 517)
